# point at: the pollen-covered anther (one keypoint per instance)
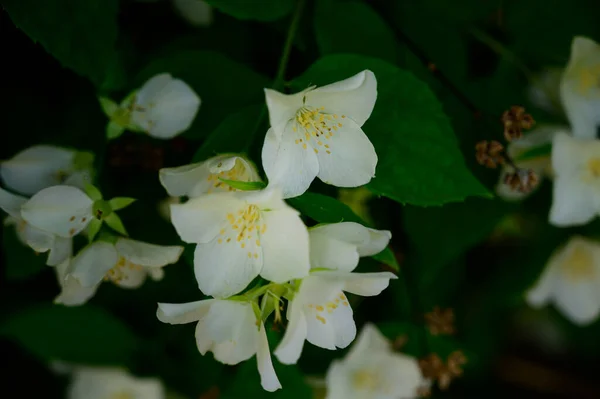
(434, 368)
(522, 180)
(515, 120)
(316, 126)
(244, 227)
(489, 153)
(119, 272)
(440, 321)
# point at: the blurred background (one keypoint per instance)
(478, 257)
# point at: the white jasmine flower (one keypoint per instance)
(317, 133)
(40, 241)
(200, 178)
(196, 12)
(373, 370)
(112, 383)
(240, 235)
(60, 210)
(126, 263)
(576, 165)
(320, 312)
(163, 107)
(41, 166)
(340, 245)
(580, 87)
(164, 207)
(229, 329)
(571, 281)
(541, 164)
(72, 293)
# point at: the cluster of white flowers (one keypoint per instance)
(243, 230)
(64, 204)
(571, 279)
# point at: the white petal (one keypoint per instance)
(60, 250)
(350, 160)
(330, 253)
(61, 210)
(225, 268)
(93, 262)
(282, 108)
(288, 162)
(36, 168)
(578, 300)
(11, 203)
(364, 284)
(182, 180)
(353, 97)
(378, 241)
(340, 383)
(573, 202)
(200, 219)
(72, 292)
(570, 154)
(541, 293)
(183, 313)
(284, 246)
(268, 378)
(290, 348)
(148, 255)
(231, 327)
(370, 340)
(130, 278)
(165, 108)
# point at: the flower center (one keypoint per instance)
(593, 166)
(121, 271)
(366, 380)
(328, 307)
(579, 264)
(245, 229)
(589, 78)
(239, 172)
(316, 126)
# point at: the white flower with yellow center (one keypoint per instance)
(320, 312)
(340, 245)
(576, 166)
(371, 369)
(163, 107)
(41, 166)
(580, 87)
(541, 164)
(571, 281)
(200, 178)
(317, 133)
(59, 248)
(229, 329)
(241, 235)
(112, 383)
(126, 263)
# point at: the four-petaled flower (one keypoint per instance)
(371, 369)
(205, 177)
(570, 281)
(240, 235)
(227, 328)
(317, 133)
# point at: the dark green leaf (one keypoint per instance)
(223, 85)
(84, 335)
(264, 10)
(324, 209)
(80, 34)
(233, 135)
(419, 159)
(354, 28)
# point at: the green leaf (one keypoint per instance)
(245, 185)
(233, 135)
(442, 234)
(419, 159)
(93, 192)
(265, 10)
(21, 261)
(80, 34)
(114, 222)
(224, 85)
(120, 202)
(84, 335)
(356, 28)
(324, 209)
